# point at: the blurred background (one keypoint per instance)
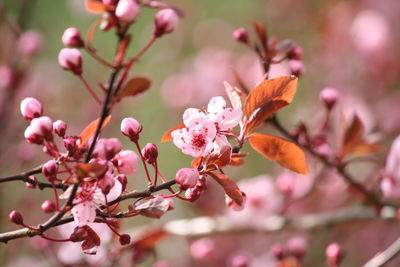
(349, 45)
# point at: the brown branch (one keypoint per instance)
(57, 219)
(385, 256)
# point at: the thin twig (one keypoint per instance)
(385, 256)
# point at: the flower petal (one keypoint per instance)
(84, 213)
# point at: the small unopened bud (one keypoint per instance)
(123, 180)
(72, 37)
(233, 205)
(16, 217)
(329, 96)
(192, 194)
(70, 144)
(60, 127)
(124, 239)
(297, 246)
(126, 162)
(106, 183)
(30, 43)
(187, 178)
(202, 248)
(165, 21)
(239, 260)
(295, 53)
(71, 59)
(278, 251)
(107, 148)
(42, 126)
(30, 185)
(33, 137)
(31, 108)
(48, 206)
(150, 153)
(131, 128)
(50, 169)
(127, 10)
(334, 254)
(241, 35)
(296, 68)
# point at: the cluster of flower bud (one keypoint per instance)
(193, 193)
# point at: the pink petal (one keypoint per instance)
(216, 105)
(190, 113)
(84, 213)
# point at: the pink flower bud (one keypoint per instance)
(71, 59)
(124, 239)
(329, 96)
(33, 137)
(7, 76)
(131, 128)
(30, 185)
(296, 68)
(71, 144)
(31, 108)
(295, 53)
(42, 126)
(187, 178)
(202, 248)
(334, 254)
(50, 169)
(150, 153)
(107, 148)
(60, 127)
(239, 260)
(297, 246)
(233, 205)
(16, 217)
(192, 194)
(110, 3)
(106, 183)
(165, 21)
(278, 251)
(126, 161)
(127, 10)
(72, 37)
(48, 206)
(241, 35)
(123, 180)
(30, 43)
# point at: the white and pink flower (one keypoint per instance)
(206, 132)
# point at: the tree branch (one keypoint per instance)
(385, 256)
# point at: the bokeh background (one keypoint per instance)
(349, 45)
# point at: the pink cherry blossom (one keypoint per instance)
(126, 161)
(224, 118)
(197, 138)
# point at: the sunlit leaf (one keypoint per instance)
(286, 153)
(268, 97)
(134, 86)
(90, 130)
(95, 6)
(222, 159)
(229, 186)
(167, 135)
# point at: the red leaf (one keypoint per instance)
(90, 130)
(167, 135)
(229, 186)
(92, 241)
(95, 6)
(268, 97)
(286, 153)
(134, 86)
(221, 159)
(149, 239)
(261, 33)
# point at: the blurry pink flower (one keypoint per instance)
(197, 138)
(6, 76)
(297, 246)
(329, 96)
(390, 183)
(30, 43)
(370, 31)
(202, 248)
(107, 148)
(126, 161)
(127, 10)
(241, 35)
(334, 254)
(294, 185)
